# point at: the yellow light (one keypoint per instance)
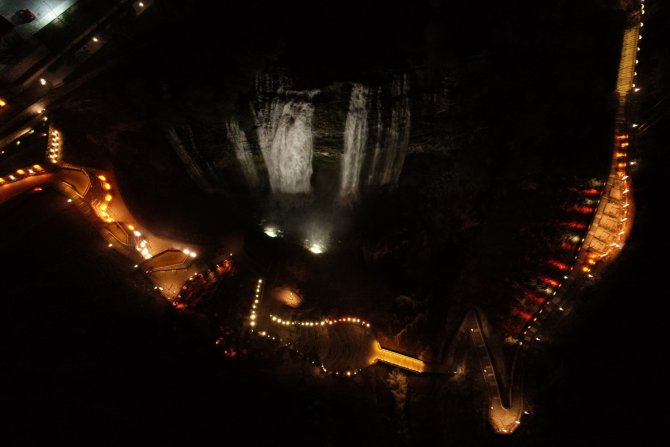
(20, 171)
(102, 178)
(130, 227)
(103, 207)
(107, 186)
(317, 249)
(108, 197)
(271, 232)
(38, 168)
(3, 103)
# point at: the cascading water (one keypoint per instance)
(392, 139)
(243, 153)
(372, 171)
(355, 139)
(285, 136)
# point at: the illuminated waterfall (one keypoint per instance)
(355, 139)
(284, 123)
(392, 137)
(243, 153)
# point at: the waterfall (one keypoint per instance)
(403, 123)
(243, 153)
(289, 159)
(392, 137)
(284, 126)
(372, 176)
(355, 139)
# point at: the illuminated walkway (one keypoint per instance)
(168, 263)
(400, 360)
(602, 243)
(339, 346)
(505, 402)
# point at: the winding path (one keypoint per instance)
(602, 243)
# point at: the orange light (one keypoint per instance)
(586, 269)
(108, 197)
(592, 261)
(3, 103)
(37, 189)
(103, 207)
(20, 171)
(38, 168)
(107, 186)
(625, 144)
(131, 227)
(622, 165)
(102, 178)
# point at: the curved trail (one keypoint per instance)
(602, 243)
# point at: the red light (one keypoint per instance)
(576, 225)
(550, 281)
(559, 265)
(581, 209)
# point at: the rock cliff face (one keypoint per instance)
(342, 139)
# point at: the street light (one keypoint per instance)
(43, 81)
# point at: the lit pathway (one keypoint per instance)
(168, 263)
(340, 346)
(400, 360)
(602, 243)
(505, 402)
